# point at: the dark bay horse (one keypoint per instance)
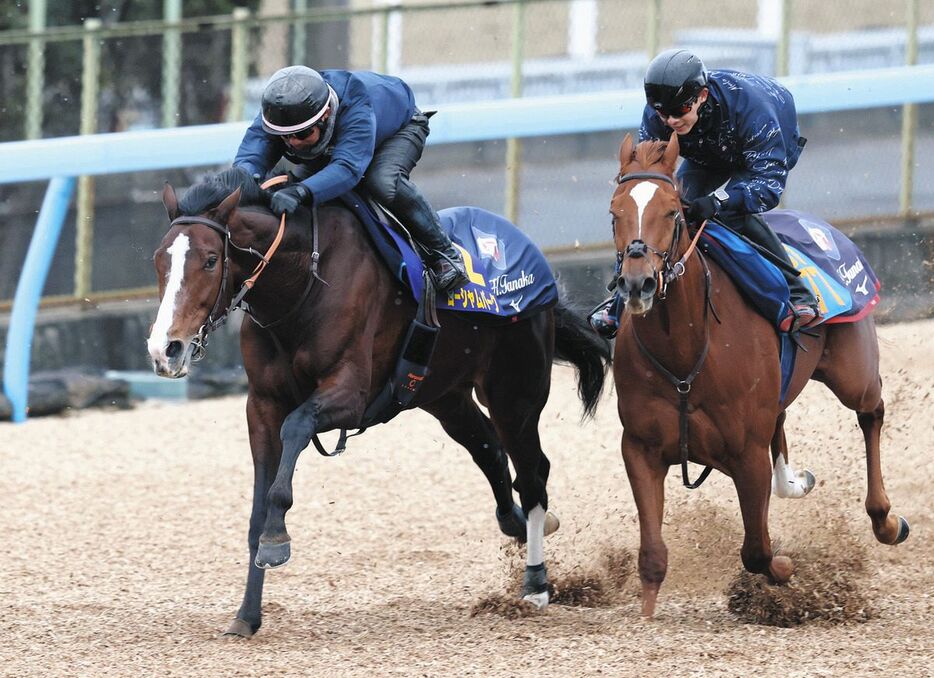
(688, 339)
(333, 347)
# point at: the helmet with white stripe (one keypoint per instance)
(294, 99)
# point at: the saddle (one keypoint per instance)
(837, 272)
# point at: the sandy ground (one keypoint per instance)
(125, 535)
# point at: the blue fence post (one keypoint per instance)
(29, 291)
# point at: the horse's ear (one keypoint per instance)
(170, 201)
(671, 154)
(228, 205)
(626, 152)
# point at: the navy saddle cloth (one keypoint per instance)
(509, 275)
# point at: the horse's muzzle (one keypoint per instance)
(637, 291)
(172, 360)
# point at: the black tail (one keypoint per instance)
(577, 343)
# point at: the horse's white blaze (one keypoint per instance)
(642, 194)
(535, 536)
(159, 338)
(788, 483)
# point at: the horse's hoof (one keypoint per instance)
(535, 585)
(270, 556)
(239, 628)
(551, 523)
(903, 529)
(512, 523)
(781, 569)
(808, 480)
(799, 486)
(539, 600)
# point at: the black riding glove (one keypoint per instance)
(289, 198)
(701, 209)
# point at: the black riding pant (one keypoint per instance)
(697, 181)
(387, 180)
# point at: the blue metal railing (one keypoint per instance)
(62, 159)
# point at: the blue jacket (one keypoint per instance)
(749, 126)
(372, 108)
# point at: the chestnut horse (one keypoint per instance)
(700, 372)
(334, 345)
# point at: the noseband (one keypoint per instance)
(639, 248)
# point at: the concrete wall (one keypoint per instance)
(113, 336)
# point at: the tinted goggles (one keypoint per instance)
(678, 111)
(307, 132)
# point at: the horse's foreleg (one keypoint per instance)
(787, 482)
(646, 474)
(297, 430)
(889, 529)
(752, 478)
(264, 443)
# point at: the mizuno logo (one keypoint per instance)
(861, 288)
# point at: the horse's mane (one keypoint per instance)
(207, 194)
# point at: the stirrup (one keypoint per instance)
(800, 316)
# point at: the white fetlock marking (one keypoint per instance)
(788, 483)
(535, 536)
(539, 600)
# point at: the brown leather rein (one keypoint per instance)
(667, 274)
(214, 320)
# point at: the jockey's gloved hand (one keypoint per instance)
(290, 198)
(703, 208)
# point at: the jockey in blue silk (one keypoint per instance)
(738, 135)
(341, 129)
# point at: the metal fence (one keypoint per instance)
(210, 69)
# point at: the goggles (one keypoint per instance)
(307, 132)
(677, 111)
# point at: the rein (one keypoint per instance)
(216, 318)
(669, 273)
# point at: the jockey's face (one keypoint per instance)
(297, 143)
(682, 124)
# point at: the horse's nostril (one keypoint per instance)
(649, 286)
(173, 349)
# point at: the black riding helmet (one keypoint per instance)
(673, 80)
(294, 99)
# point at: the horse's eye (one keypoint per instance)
(211, 263)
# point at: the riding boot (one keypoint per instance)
(442, 258)
(604, 319)
(805, 309)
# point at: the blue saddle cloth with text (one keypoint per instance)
(830, 264)
(509, 275)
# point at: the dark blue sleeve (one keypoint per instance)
(355, 144)
(653, 128)
(259, 152)
(760, 187)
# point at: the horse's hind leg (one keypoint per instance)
(851, 370)
(787, 482)
(889, 529)
(466, 424)
(517, 385)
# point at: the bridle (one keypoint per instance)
(639, 248)
(219, 313)
(670, 272)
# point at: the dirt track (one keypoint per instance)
(125, 536)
